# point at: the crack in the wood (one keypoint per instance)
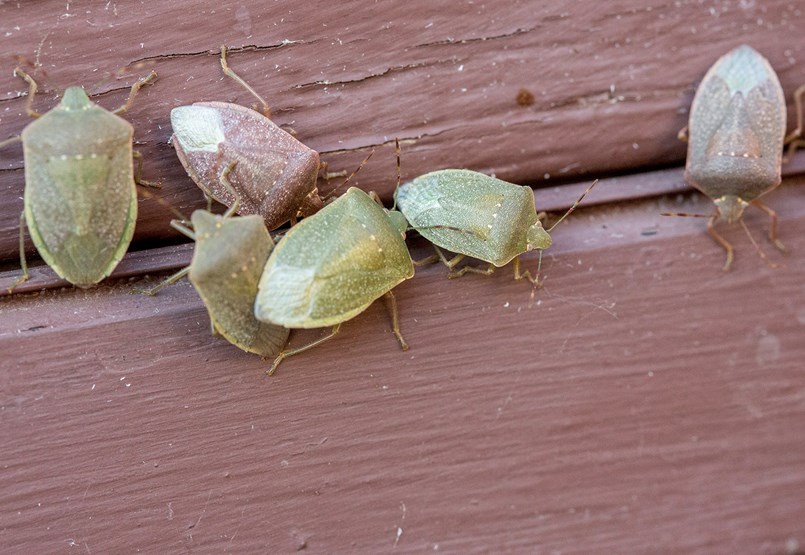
(450, 40)
(403, 140)
(609, 96)
(46, 91)
(392, 69)
(217, 52)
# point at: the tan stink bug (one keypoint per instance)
(735, 137)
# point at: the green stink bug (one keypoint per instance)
(228, 258)
(332, 265)
(80, 194)
(275, 175)
(472, 214)
(735, 136)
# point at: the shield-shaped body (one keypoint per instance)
(473, 214)
(80, 197)
(271, 172)
(227, 262)
(331, 266)
(736, 131)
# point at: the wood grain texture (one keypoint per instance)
(612, 82)
(645, 401)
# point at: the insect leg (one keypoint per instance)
(794, 139)
(32, 88)
(427, 260)
(229, 73)
(11, 141)
(395, 321)
(328, 175)
(138, 172)
(23, 262)
(172, 279)
(772, 223)
(720, 240)
(372, 194)
(757, 247)
(488, 271)
(224, 180)
(451, 263)
(285, 354)
(133, 92)
(527, 275)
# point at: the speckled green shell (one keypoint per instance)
(80, 197)
(331, 266)
(470, 213)
(227, 262)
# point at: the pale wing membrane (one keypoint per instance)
(463, 225)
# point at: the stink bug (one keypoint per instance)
(331, 266)
(735, 136)
(80, 194)
(274, 174)
(228, 259)
(472, 214)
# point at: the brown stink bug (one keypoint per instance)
(735, 136)
(273, 174)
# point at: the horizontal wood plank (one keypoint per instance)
(644, 401)
(611, 83)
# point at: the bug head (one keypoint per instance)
(75, 99)
(730, 207)
(398, 221)
(537, 237)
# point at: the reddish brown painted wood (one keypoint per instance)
(612, 82)
(645, 401)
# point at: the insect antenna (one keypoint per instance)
(146, 193)
(399, 173)
(757, 247)
(362, 164)
(11, 141)
(575, 205)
